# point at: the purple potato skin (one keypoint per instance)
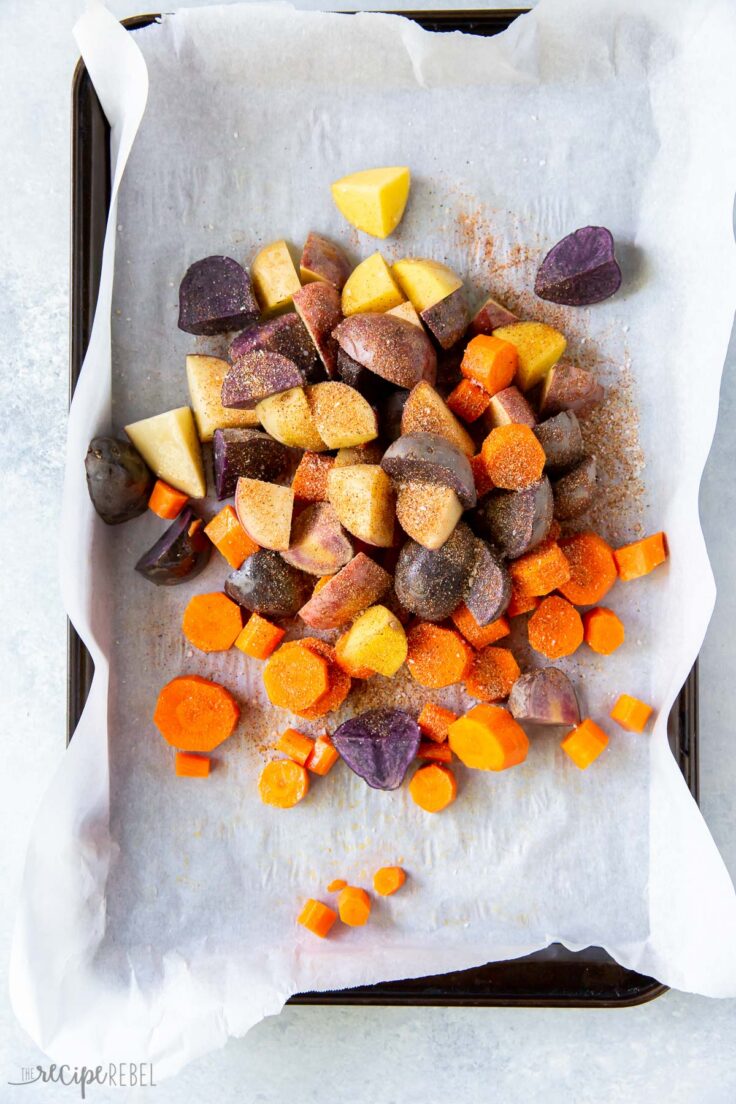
(370, 386)
(490, 316)
(256, 376)
(216, 296)
(286, 334)
(247, 452)
(390, 413)
(432, 584)
(448, 320)
(580, 270)
(430, 458)
(568, 387)
(489, 592)
(574, 492)
(319, 545)
(118, 480)
(516, 521)
(326, 260)
(379, 746)
(508, 407)
(545, 697)
(562, 440)
(267, 584)
(178, 555)
(318, 306)
(396, 350)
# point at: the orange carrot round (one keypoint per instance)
(604, 631)
(336, 885)
(437, 656)
(434, 721)
(317, 918)
(283, 783)
(585, 743)
(433, 788)
(479, 636)
(592, 568)
(212, 622)
(194, 714)
(338, 688)
(492, 674)
(488, 738)
(641, 557)
(388, 879)
(295, 677)
(556, 628)
(491, 362)
(513, 457)
(354, 906)
(540, 571)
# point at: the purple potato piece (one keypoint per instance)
(432, 584)
(430, 458)
(180, 554)
(325, 261)
(515, 521)
(370, 386)
(567, 387)
(508, 407)
(379, 746)
(448, 319)
(319, 545)
(546, 697)
(216, 296)
(250, 453)
(580, 270)
(489, 592)
(267, 584)
(575, 491)
(561, 439)
(392, 348)
(390, 413)
(256, 376)
(490, 316)
(448, 368)
(318, 306)
(118, 480)
(286, 334)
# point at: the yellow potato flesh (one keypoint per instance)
(169, 444)
(425, 282)
(539, 347)
(376, 640)
(364, 501)
(274, 277)
(287, 417)
(204, 378)
(370, 287)
(373, 200)
(407, 313)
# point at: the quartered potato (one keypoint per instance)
(448, 319)
(274, 277)
(373, 200)
(247, 452)
(429, 458)
(406, 312)
(425, 282)
(323, 260)
(358, 585)
(170, 446)
(205, 376)
(425, 411)
(284, 334)
(370, 287)
(216, 296)
(364, 502)
(427, 512)
(287, 417)
(318, 306)
(319, 545)
(390, 347)
(256, 376)
(539, 347)
(342, 416)
(265, 510)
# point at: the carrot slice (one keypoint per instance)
(437, 753)
(336, 885)
(592, 568)
(295, 677)
(434, 721)
(631, 713)
(480, 636)
(338, 681)
(165, 501)
(194, 714)
(324, 756)
(433, 788)
(521, 603)
(187, 765)
(641, 557)
(354, 906)
(437, 656)
(491, 362)
(212, 622)
(513, 456)
(310, 478)
(259, 638)
(492, 674)
(469, 400)
(556, 628)
(488, 738)
(283, 783)
(585, 743)
(230, 538)
(481, 476)
(388, 879)
(604, 631)
(317, 918)
(540, 571)
(296, 745)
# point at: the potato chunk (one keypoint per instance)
(425, 282)
(342, 416)
(407, 313)
(428, 513)
(376, 640)
(287, 417)
(364, 501)
(204, 378)
(264, 510)
(425, 411)
(373, 200)
(169, 444)
(370, 287)
(274, 277)
(539, 347)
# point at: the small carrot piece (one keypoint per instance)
(354, 906)
(513, 456)
(438, 753)
(434, 721)
(492, 674)
(641, 557)
(388, 879)
(230, 538)
(259, 638)
(336, 885)
(296, 745)
(592, 568)
(604, 630)
(468, 400)
(349, 668)
(540, 571)
(317, 918)
(165, 501)
(556, 628)
(324, 756)
(521, 603)
(187, 765)
(488, 738)
(631, 713)
(195, 714)
(295, 677)
(481, 476)
(283, 783)
(212, 622)
(310, 478)
(321, 582)
(479, 636)
(338, 681)
(491, 362)
(585, 743)
(437, 656)
(433, 788)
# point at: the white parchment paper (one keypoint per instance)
(158, 914)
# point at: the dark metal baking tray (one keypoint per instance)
(554, 977)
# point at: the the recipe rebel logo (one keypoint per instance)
(117, 1075)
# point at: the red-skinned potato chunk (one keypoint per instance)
(388, 346)
(318, 306)
(323, 260)
(545, 696)
(358, 585)
(567, 387)
(448, 319)
(425, 411)
(319, 545)
(490, 316)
